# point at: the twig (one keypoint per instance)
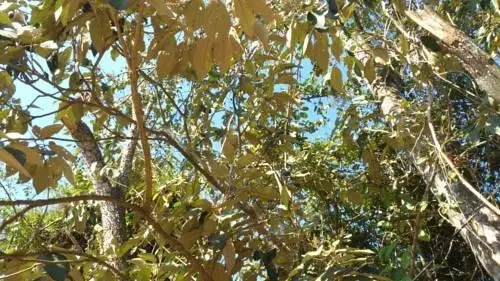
(4, 277)
(417, 222)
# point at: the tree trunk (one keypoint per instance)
(478, 224)
(477, 63)
(112, 215)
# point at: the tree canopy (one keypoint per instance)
(249, 140)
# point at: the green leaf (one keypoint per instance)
(58, 271)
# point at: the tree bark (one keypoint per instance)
(478, 224)
(477, 63)
(112, 215)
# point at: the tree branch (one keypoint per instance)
(23, 257)
(172, 240)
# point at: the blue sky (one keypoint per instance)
(46, 104)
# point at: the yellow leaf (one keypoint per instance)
(68, 173)
(189, 238)
(262, 34)
(404, 44)
(320, 51)
(210, 226)
(336, 80)
(166, 62)
(6, 157)
(266, 193)
(369, 70)
(260, 8)
(247, 159)
(41, 178)
(193, 14)
(55, 166)
(32, 155)
(236, 45)
(381, 55)
(100, 31)
(61, 151)
(69, 9)
(229, 255)
(217, 20)
(337, 47)
(218, 273)
(347, 11)
(75, 274)
(183, 59)
(161, 7)
(50, 130)
(219, 170)
(201, 57)
(285, 194)
(245, 16)
(229, 146)
(222, 53)
(400, 5)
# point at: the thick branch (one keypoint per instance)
(112, 215)
(126, 160)
(478, 222)
(476, 62)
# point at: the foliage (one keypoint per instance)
(271, 155)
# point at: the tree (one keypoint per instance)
(185, 132)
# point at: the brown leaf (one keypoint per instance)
(260, 8)
(201, 57)
(229, 255)
(337, 47)
(100, 31)
(336, 80)
(11, 161)
(369, 71)
(50, 130)
(217, 20)
(262, 33)
(32, 155)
